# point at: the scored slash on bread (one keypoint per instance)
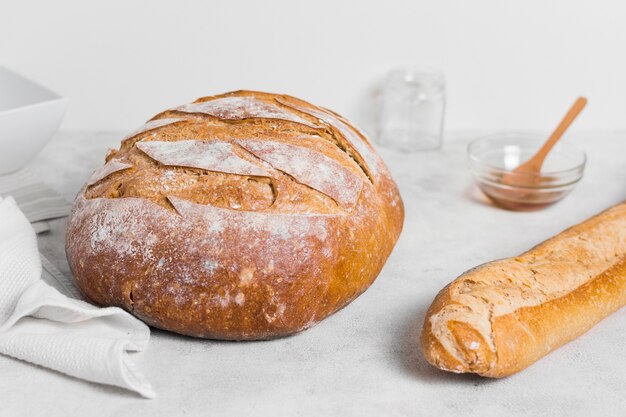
(309, 167)
(243, 107)
(152, 125)
(107, 169)
(355, 139)
(246, 215)
(328, 174)
(501, 317)
(215, 155)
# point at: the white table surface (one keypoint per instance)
(364, 360)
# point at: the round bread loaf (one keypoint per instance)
(241, 216)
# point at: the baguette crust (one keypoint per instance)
(501, 317)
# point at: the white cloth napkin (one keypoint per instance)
(37, 200)
(42, 326)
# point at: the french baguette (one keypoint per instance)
(500, 317)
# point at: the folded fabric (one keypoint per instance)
(56, 279)
(40, 325)
(38, 201)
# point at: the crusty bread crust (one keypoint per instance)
(241, 216)
(501, 317)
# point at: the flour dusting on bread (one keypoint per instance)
(213, 155)
(114, 165)
(242, 219)
(154, 124)
(236, 108)
(356, 140)
(309, 167)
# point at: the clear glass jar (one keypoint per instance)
(412, 109)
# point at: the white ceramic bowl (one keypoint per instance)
(29, 115)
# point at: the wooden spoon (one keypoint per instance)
(531, 169)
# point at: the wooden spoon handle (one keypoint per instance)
(571, 115)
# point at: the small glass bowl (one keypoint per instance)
(492, 160)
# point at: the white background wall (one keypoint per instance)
(510, 64)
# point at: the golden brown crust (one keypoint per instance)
(503, 316)
(572, 314)
(241, 216)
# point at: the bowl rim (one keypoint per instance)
(54, 97)
(59, 100)
(527, 136)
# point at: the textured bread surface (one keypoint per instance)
(241, 216)
(501, 317)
